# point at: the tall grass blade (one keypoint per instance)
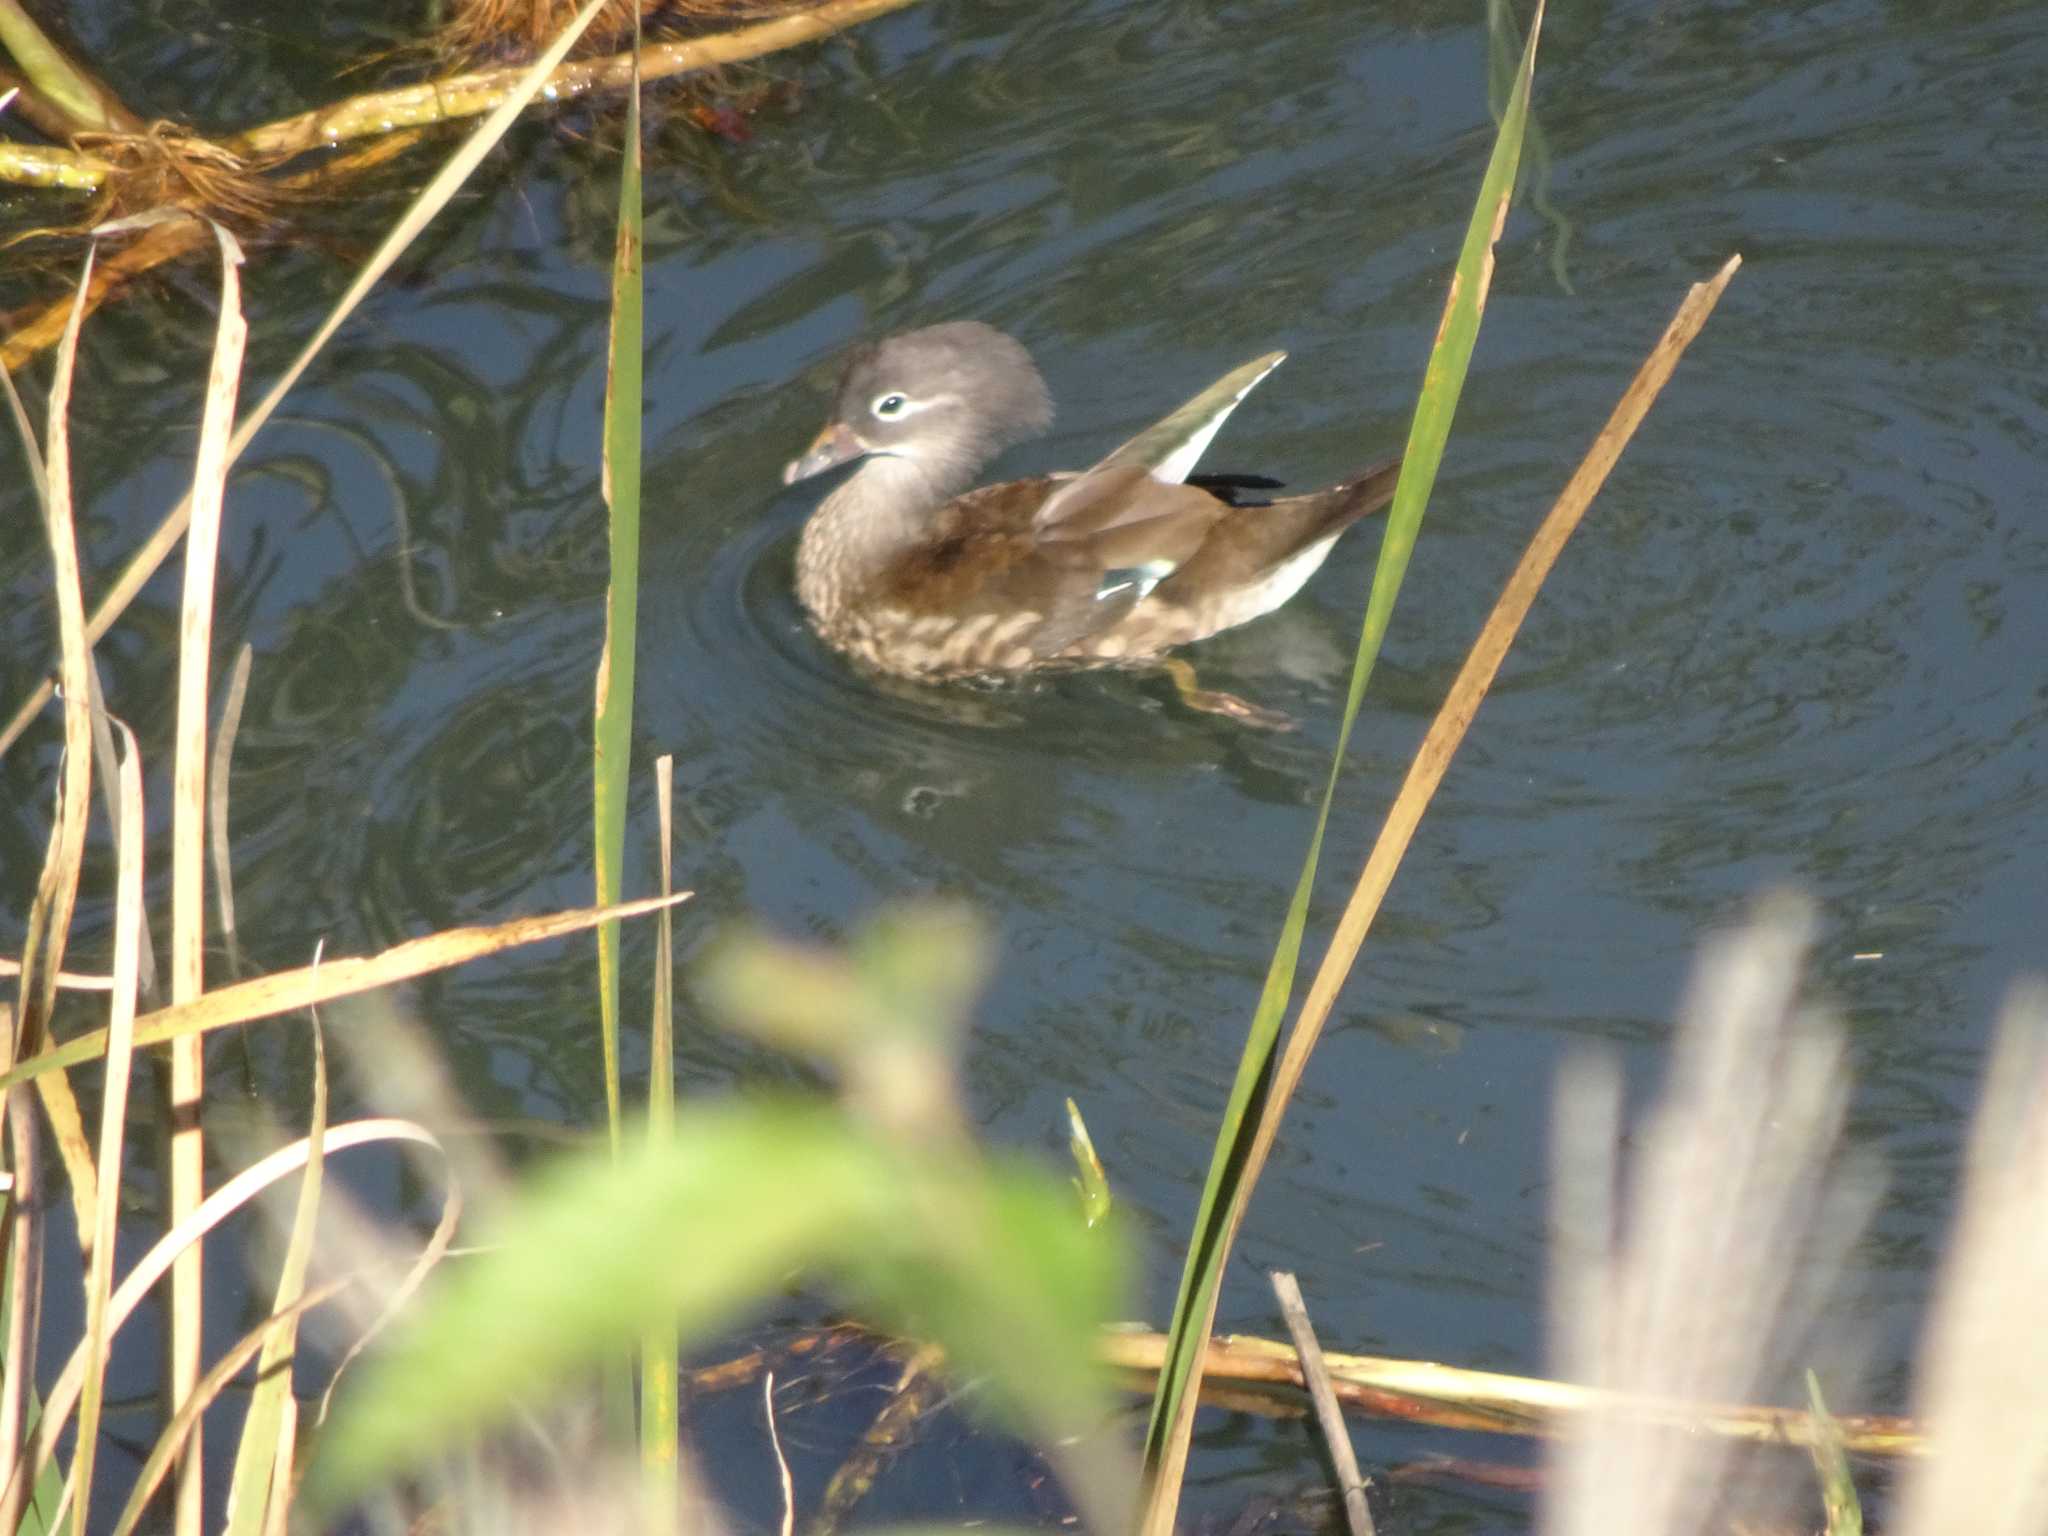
(224, 1202)
(256, 1457)
(612, 744)
(21, 1301)
(113, 1112)
(49, 920)
(172, 1441)
(188, 845)
(1503, 47)
(1844, 1510)
(1229, 1182)
(660, 1349)
(1482, 663)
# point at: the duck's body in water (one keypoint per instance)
(908, 570)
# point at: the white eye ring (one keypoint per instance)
(891, 405)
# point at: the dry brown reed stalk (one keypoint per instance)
(185, 165)
(175, 1438)
(67, 981)
(49, 922)
(42, 165)
(256, 1473)
(263, 997)
(918, 1392)
(129, 840)
(188, 848)
(151, 175)
(23, 1235)
(110, 784)
(32, 332)
(1425, 774)
(1449, 1397)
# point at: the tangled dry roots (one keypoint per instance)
(169, 167)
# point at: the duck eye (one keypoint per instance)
(890, 405)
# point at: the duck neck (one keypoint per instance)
(881, 511)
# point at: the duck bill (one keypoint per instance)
(832, 447)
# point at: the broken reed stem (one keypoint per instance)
(1315, 1377)
(1426, 1392)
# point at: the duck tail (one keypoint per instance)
(1369, 492)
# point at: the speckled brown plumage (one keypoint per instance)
(903, 570)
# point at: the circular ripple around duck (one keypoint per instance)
(728, 646)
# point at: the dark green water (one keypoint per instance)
(1802, 637)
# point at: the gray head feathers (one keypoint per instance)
(948, 397)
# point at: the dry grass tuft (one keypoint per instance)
(489, 29)
(170, 168)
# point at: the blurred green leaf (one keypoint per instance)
(594, 1252)
(1001, 1274)
(987, 1263)
(887, 1014)
(907, 978)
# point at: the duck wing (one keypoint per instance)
(1076, 553)
(989, 568)
(1164, 452)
